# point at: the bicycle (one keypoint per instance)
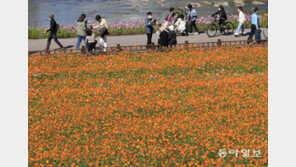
(212, 29)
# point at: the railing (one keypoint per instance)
(153, 47)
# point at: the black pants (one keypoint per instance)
(149, 39)
(221, 24)
(252, 33)
(192, 24)
(91, 46)
(55, 38)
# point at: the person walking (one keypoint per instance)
(103, 29)
(149, 26)
(52, 32)
(222, 17)
(255, 27)
(81, 28)
(241, 21)
(192, 16)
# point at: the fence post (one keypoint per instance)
(83, 50)
(219, 43)
(186, 44)
(118, 47)
(153, 46)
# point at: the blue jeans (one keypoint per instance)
(240, 26)
(79, 41)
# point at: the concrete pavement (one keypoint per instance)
(127, 40)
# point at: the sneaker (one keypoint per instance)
(196, 33)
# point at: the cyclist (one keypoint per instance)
(222, 17)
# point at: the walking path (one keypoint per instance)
(131, 40)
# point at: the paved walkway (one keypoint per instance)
(127, 40)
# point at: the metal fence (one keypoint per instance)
(153, 47)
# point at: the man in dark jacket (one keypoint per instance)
(52, 32)
(149, 23)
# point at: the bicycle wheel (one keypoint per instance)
(212, 30)
(228, 28)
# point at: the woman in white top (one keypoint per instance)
(103, 29)
(181, 25)
(241, 21)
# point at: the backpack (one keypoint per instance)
(103, 31)
(58, 27)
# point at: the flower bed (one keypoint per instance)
(163, 109)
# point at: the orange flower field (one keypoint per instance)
(177, 108)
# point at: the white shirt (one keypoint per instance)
(90, 39)
(241, 18)
(103, 23)
(181, 24)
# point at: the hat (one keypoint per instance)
(51, 15)
(171, 28)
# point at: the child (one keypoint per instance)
(192, 16)
(241, 21)
(255, 28)
(90, 40)
(163, 36)
(222, 17)
(149, 23)
(172, 36)
(181, 25)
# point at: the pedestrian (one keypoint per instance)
(149, 26)
(81, 28)
(222, 17)
(52, 33)
(90, 40)
(255, 27)
(103, 29)
(181, 25)
(241, 21)
(172, 36)
(163, 36)
(192, 16)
